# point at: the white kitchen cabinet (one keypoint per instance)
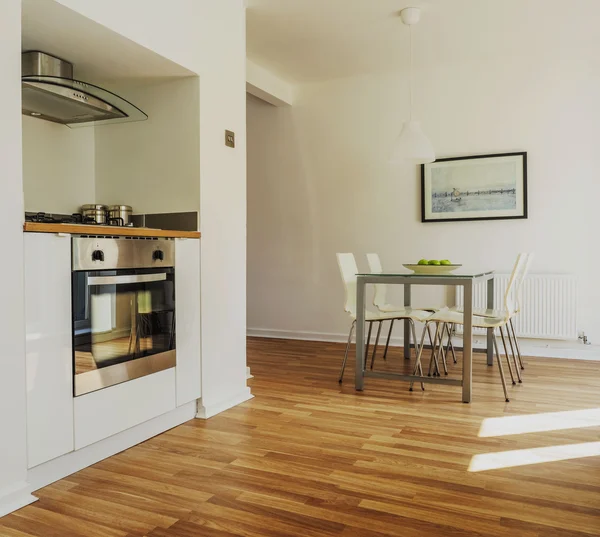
(187, 322)
(49, 360)
(109, 411)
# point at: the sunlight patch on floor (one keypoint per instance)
(535, 423)
(523, 457)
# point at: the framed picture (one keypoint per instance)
(481, 187)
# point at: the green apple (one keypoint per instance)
(445, 262)
(433, 262)
(423, 262)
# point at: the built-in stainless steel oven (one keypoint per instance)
(123, 310)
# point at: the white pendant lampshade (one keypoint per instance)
(412, 145)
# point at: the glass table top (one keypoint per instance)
(461, 272)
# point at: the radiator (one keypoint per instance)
(549, 305)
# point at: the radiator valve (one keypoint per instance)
(584, 339)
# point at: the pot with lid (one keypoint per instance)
(119, 214)
(94, 213)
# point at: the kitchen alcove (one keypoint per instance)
(152, 165)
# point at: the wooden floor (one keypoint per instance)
(307, 457)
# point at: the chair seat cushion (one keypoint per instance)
(403, 313)
(415, 314)
(483, 312)
(448, 315)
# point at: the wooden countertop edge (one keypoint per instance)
(77, 229)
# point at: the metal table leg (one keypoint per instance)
(490, 332)
(407, 303)
(467, 387)
(360, 333)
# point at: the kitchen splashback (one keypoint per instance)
(184, 221)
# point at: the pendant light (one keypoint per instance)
(412, 145)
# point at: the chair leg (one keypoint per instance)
(446, 348)
(450, 344)
(428, 329)
(376, 343)
(441, 352)
(517, 370)
(433, 360)
(438, 348)
(512, 349)
(501, 369)
(421, 374)
(346, 353)
(512, 326)
(367, 344)
(387, 343)
(512, 377)
(419, 354)
(435, 349)
(414, 335)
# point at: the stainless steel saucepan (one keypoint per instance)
(119, 214)
(94, 212)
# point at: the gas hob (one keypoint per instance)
(75, 218)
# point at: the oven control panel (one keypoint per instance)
(104, 253)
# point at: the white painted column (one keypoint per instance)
(223, 218)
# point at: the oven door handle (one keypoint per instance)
(128, 278)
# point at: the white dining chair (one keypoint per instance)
(518, 290)
(381, 303)
(348, 271)
(448, 315)
(511, 326)
(520, 271)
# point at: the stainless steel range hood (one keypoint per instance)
(51, 93)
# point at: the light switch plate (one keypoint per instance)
(230, 138)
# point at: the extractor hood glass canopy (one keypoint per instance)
(75, 103)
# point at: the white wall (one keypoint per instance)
(13, 462)
(153, 165)
(58, 166)
(319, 181)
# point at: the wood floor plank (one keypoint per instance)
(129, 518)
(7, 531)
(264, 519)
(71, 524)
(308, 457)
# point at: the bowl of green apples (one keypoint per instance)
(432, 266)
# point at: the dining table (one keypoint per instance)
(465, 278)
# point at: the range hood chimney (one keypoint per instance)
(51, 93)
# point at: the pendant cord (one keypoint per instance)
(410, 86)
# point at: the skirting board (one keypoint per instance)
(205, 412)
(56, 469)
(16, 497)
(536, 348)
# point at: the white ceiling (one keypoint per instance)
(313, 40)
(96, 52)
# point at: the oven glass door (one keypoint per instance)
(130, 326)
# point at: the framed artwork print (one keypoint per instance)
(481, 187)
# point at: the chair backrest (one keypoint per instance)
(510, 296)
(348, 271)
(521, 278)
(379, 298)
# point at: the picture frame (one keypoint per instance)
(478, 187)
